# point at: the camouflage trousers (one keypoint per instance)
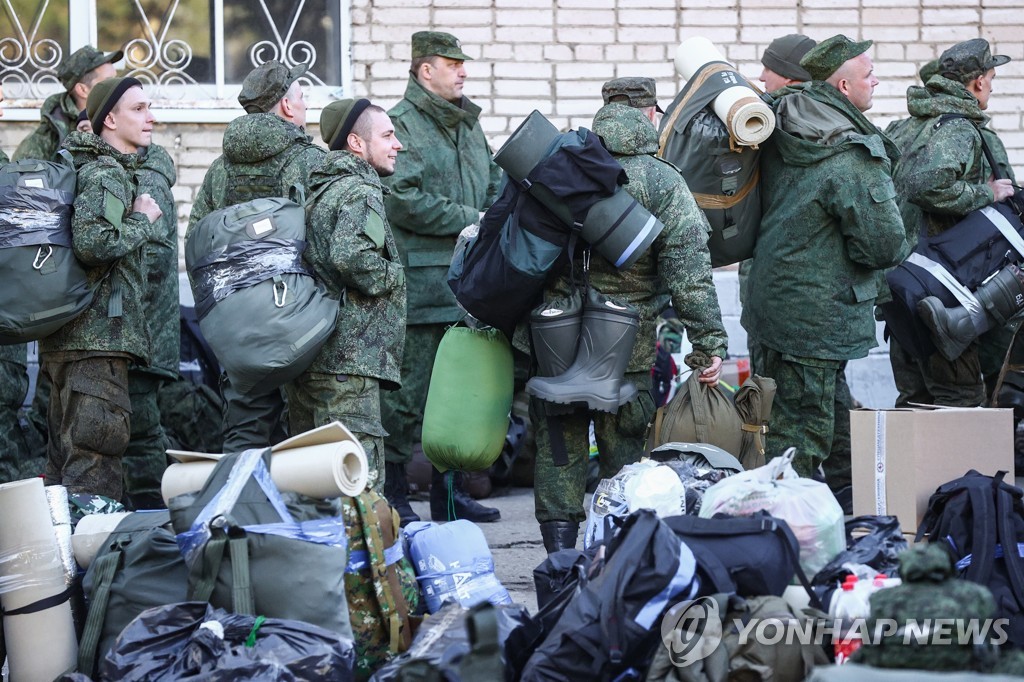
(145, 459)
(13, 388)
(402, 410)
(316, 399)
(937, 381)
(90, 422)
(811, 412)
(252, 421)
(558, 491)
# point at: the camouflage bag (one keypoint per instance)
(380, 583)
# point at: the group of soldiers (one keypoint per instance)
(842, 202)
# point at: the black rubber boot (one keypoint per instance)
(396, 490)
(559, 535)
(461, 505)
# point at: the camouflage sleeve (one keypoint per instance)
(40, 144)
(866, 210)
(939, 182)
(305, 162)
(104, 227)
(356, 246)
(204, 203)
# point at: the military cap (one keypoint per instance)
(267, 84)
(967, 60)
(825, 58)
(431, 43)
(929, 70)
(337, 119)
(82, 61)
(783, 56)
(635, 91)
(104, 96)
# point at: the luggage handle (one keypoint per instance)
(106, 567)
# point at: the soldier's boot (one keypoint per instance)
(953, 330)
(559, 535)
(595, 377)
(448, 500)
(396, 490)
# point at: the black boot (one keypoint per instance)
(559, 535)
(396, 489)
(461, 505)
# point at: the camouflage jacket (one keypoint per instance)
(829, 224)
(352, 250)
(443, 179)
(58, 116)
(942, 174)
(107, 237)
(264, 155)
(677, 264)
(156, 176)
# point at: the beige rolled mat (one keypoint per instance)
(748, 119)
(41, 644)
(90, 534)
(325, 462)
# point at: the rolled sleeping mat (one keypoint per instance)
(527, 146)
(90, 534)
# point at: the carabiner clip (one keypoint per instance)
(280, 294)
(37, 263)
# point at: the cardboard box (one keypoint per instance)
(900, 456)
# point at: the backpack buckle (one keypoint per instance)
(769, 524)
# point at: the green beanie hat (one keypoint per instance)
(104, 96)
(337, 119)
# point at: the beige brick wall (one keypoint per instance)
(553, 55)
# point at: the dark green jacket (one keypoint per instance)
(156, 176)
(942, 174)
(829, 224)
(107, 237)
(443, 178)
(58, 116)
(678, 264)
(352, 250)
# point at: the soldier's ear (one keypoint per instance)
(355, 143)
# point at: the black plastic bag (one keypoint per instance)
(879, 548)
(194, 641)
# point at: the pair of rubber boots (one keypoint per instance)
(583, 351)
(953, 329)
(448, 501)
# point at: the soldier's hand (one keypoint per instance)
(147, 206)
(1002, 189)
(711, 374)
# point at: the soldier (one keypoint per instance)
(352, 251)
(266, 153)
(87, 359)
(941, 177)
(677, 264)
(78, 73)
(442, 183)
(781, 61)
(823, 238)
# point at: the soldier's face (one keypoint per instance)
(856, 79)
(296, 100)
(130, 124)
(446, 78)
(773, 81)
(381, 150)
(981, 87)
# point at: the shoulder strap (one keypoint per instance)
(984, 147)
(105, 568)
(1007, 536)
(983, 534)
(699, 404)
(691, 88)
(379, 534)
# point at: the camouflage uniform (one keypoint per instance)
(678, 265)
(813, 281)
(352, 251)
(87, 359)
(941, 176)
(443, 179)
(264, 156)
(57, 118)
(145, 460)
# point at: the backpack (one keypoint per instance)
(976, 517)
(259, 306)
(45, 286)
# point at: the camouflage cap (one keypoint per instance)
(267, 84)
(967, 60)
(82, 61)
(825, 58)
(431, 43)
(929, 70)
(783, 56)
(636, 91)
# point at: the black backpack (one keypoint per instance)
(977, 517)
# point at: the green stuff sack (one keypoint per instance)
(468, 403)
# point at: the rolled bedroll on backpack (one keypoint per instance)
(259, 307)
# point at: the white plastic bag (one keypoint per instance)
(643, 485)
(809, 507)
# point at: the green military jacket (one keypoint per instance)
(107, 238)
(264, 156)
(155, 176)
(942, 174)
(352, 251)
(678, 264)
(443, 179)
(58, 116)
(829, 224)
